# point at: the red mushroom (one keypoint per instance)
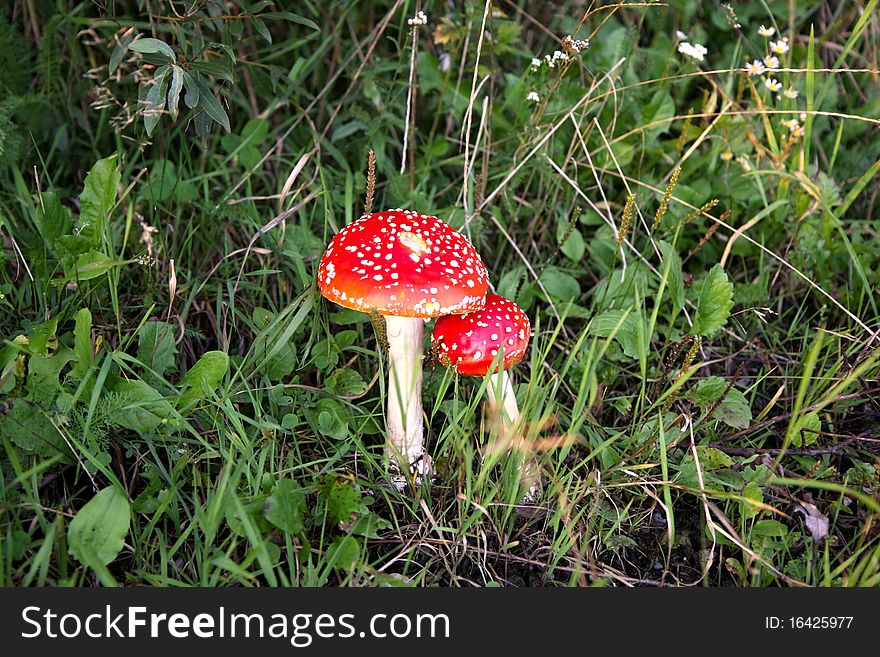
(407, 267)
(471, 345)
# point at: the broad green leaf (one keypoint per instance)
(342, 497)
(805, 429)
(712, 458)
(769, 527)
(574, 246)
(143, 409)
(98, 198)
(53, 219)
(40, 334)
(345, 382)
(286, 506)
(625, 330)
(675, 281)
(714, 304)
(157, 347)
(97, 533)
(29, 429)
(559, 284)
(92, 265)
(204, 376)
(82, 342)
(734, 408)
(148, 46)
(343, 552)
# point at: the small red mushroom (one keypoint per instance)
(490, 341)
(407, 267)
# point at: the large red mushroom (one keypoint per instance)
(490, 341)
(407, 267)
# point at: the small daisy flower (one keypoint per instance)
(779, 47)
(766, 31)
(791, 93)
(773, 84)
(791, 124)
(803, 116)
(798, 131)
(771, 62)
(533, 97)
(727, 156)
(756, 67)
(695, 51)
(536, 63)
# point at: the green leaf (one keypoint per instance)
(675, 279)
(204, 376)
(82, 342)
(149, 46)
(285, 507)
(52, 219)
(261, 28)
(715, 302)
(343, 553)
(574, 246)
(211, 105)
(157, 348)
(40, 334)
(331, 419)
(92, 265)
(174, 90)
(733, 410)
(192, 90)
(155, 100)
(342, 497)
(293, 18)
(712, 458)
(805, 429)
(625, 330)
(29, 429)
(119, 51)
(559, 284)
(144, 409)
(770, 528)
(97, 533)
(98, 198)
(345, 382)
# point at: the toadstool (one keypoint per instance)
(407, 267)
(470, 344)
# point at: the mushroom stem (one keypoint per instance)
(530, 470)
(405, 443)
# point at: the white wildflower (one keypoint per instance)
(791, 124)
(692, 50)
(773, 84)
(766, 31)
(418, 19)
(533, 97)
(771, 62)
(681, 36)
(791, 93)
(536, 63)
(798, 131)
(755, 68)
(727, 156)
(779, 47)
(803, 116)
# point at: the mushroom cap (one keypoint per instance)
(469, 343)
(404, 263)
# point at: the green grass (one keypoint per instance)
(701, 390)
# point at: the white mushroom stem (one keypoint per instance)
(405, 443)
(501, 385)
